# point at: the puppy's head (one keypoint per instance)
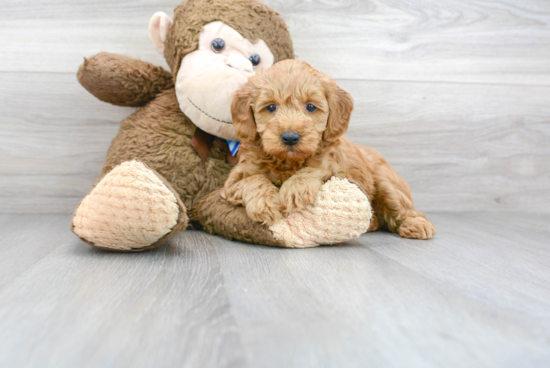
(290, 109)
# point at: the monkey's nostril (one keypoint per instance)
(290, 138)
(240, 63)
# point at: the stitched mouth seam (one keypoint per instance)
(211, 117)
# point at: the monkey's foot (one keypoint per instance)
(340, 212)
(131, 209)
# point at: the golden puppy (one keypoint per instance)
(291, 120)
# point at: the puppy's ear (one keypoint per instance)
(242, 115)
(340, 105)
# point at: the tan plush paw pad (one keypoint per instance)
(340, 212)
(129, 209)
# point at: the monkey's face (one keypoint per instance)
(209, 77)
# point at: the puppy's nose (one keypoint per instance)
(290, 138)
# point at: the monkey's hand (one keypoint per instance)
(121, 80)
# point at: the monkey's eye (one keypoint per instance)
(218, 45)
(255, 59)
(311, 108)
(271, 108)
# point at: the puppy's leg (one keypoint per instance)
(374, 224)
(257, 194)
(395, 206)
(301, 189)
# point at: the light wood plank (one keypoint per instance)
(460, 147)
(46, 121)
(477, 294)
(55, 36)
(501, 41)
(476, 250)
(27, 239)
(497, 41)
(83, 307)
(54, 138)
(462, 299)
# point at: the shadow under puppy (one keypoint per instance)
(291, 119)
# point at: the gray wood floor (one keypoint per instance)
(478, 295)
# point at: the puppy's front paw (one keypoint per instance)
(416, 228)
(296, 195)
(232, 195)
(266, 209)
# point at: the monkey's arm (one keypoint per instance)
(121, 80)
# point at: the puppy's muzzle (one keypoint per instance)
(290, 138)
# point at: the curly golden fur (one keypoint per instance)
(274, 177)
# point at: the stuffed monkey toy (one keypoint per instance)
(165, 167)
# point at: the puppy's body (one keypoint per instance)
(290, 120)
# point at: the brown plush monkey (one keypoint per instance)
(170, 157)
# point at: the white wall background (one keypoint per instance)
(455, 94)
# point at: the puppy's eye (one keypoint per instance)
(271, 108)
(255, 59)
(311, 108)
(218, 45)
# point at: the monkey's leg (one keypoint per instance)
(132, 208)
(217, 216)
(121, 80)
(340, 212)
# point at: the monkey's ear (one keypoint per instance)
(243, 116)
(158, 29)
